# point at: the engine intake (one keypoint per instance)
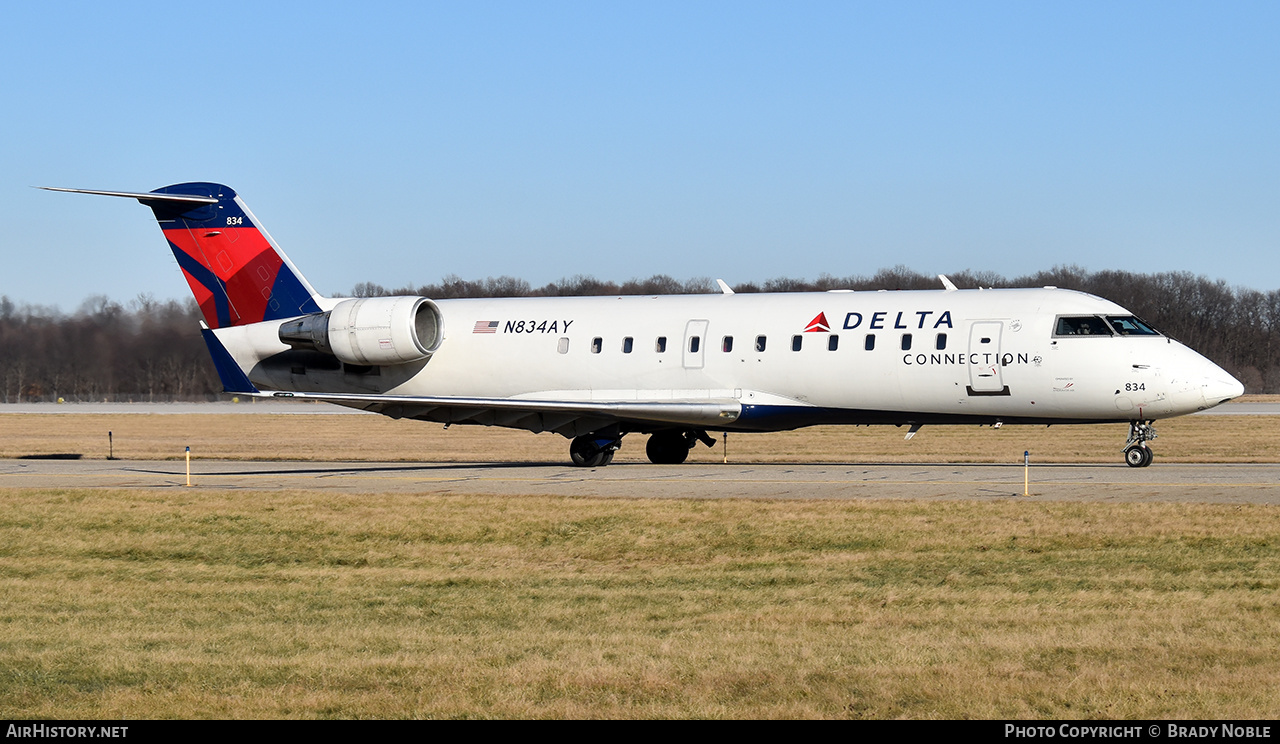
(375, 331)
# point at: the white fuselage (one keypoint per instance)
(937, 357)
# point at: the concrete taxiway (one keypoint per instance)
(1171, 482)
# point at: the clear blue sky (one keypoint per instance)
(397, 143)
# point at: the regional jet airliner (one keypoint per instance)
(677, 368)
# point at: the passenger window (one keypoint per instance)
(941, 342)
(695, 343)
(727, 344)
(626, 345)
(597, 344)
(1085, 325)
(660, 345)
(760, 342)
(833, 342)
(906, 342)
(870, 343)
(796, 342)
(563, 346)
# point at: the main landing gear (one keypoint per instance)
(671, 447)
(595, 450)
(1136, 452)
(666, 447)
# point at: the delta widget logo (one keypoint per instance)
(818, 325)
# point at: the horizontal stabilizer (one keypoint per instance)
(142, 197)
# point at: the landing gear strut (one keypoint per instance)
(1136, 452)
(594, 450)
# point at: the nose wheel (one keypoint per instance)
(1138, 456)
(1136, 452)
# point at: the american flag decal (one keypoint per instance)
(485, 326)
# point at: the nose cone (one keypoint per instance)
(1220, 389)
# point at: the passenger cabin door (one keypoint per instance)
(985, 377)
(695, 343)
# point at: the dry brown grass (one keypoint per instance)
(123, 604)
(376, 438)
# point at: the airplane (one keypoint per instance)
(677, 368)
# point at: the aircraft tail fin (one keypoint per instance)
(237, 273)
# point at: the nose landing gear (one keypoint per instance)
(1136, 452)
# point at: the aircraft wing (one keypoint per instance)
(569, 418)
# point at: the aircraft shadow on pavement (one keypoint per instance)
(337, 470)
(306, 469)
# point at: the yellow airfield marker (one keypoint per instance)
(188, 465)
(1026, 472)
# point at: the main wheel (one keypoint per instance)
(586, 454)
(667, 448)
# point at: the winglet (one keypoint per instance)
(724, 287)
(234, 380)
(946, 283)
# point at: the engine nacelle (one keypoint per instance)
(371, 331)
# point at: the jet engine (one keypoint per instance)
(371, 331)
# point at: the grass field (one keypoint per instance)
(241, 604)
(376, 438)
(122, 604)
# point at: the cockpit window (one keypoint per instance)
(1081, 325)
(1127, 325)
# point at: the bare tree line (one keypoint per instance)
(147, 351)
(152, 351)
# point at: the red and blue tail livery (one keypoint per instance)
(235, 270)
